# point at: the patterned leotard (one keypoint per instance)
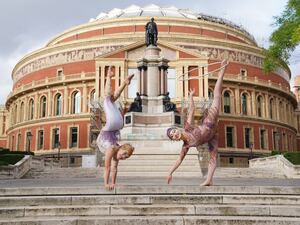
(198, 135)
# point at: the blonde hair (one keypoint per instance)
(128, 148)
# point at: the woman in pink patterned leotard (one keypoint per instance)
(206, 132)
(107, 140)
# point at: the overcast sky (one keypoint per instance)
(27, 25)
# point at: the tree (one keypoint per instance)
(285, 38)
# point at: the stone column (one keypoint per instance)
(205, 84)
(179, 83)
(162, 81)
(97, 81)
(139, 80)
(49, 109)
(84, 98)
(66, 102)
(267, 108)
(201, 83)
(152, 80)
(102, 80)
(186, 82)
(237, 100)
(36, 106)
(253, 103)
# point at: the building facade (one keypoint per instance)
(48, 112)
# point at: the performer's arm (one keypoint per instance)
(107, 164)
(114, 172)
(177, 163)
(121, 88)
(191, 108)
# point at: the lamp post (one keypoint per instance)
(58, 153)
(277, 136)
(29, 137)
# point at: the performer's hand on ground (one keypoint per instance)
(128, 79)
(169, 178)
(110, 72)
(110, 187)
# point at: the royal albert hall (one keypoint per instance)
(48, 107)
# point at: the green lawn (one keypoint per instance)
(293, 157)
(10, 158)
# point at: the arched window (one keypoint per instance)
(21, 112)
(271, 108)
(280, 111)
(244, 104)
(93, 96)
(210, 93)
(76, 102)
(226, 102)
(31, 109)
(57, 105)
(259, 106)
(43, 107)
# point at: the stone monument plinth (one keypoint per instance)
(153, 121)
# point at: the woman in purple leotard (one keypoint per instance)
(107, 140)
(206, 132)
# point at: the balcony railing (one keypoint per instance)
(51, 81)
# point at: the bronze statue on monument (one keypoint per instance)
(151, 33)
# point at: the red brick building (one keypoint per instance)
(53, 85)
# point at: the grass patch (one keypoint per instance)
(293, 157)
(10, 158)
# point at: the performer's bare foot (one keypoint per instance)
(206, 183)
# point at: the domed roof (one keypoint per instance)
(157, 11)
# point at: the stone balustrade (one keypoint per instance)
(277, 162)
(16, 171)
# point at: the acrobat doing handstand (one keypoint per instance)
(107, 140)
(206, 132)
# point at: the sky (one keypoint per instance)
(27, 25)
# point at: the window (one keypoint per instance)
(210, 94)
(271, 108)
(133, 83)
(74, 137)
(244, 104)
(259, 106)
(60, 73)
(40, 139)
(58, 105)
(243, 72)
(263, 138)
(43, 107)
(72, 160)
(18, 142)
(229, 137)
(226, 102)
(76, 102)
(93, 96)
(247, 137)
(16, 114)
(171, 82)
(31, 109)
(21, 112)
(231, 160)
(55, 138)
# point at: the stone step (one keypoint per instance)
(148, 210)
(163, 162)
(146, 220)
(148, 199)
(272, 191)
(160, 168)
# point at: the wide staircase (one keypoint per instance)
(144, 205)
(154, 158)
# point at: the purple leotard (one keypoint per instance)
(110, 133)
